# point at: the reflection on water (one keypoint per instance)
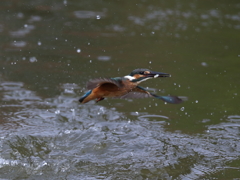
(55, 136)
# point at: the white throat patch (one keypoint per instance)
(129, 77)
(132, 78)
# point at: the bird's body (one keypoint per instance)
(124, 87)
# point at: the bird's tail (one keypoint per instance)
(168, 99)
(84, 96)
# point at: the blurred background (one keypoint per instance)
(50, 49)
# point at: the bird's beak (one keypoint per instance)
(157, 74)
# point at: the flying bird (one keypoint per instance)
(125, 87)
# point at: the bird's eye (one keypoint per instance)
(142, 72)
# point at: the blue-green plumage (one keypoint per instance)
(85, 95)
(140, 92)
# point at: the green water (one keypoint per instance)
(50, 49)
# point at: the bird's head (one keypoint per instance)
(139, 75)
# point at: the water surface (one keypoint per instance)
(50, 49)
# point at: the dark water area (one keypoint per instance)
(50, 49)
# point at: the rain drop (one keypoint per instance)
(182, 108)
(78, 50)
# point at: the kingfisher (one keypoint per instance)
(125, 87)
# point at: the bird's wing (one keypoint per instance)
(98, 82)
(140, 92)
(137, 92)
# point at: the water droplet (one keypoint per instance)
(150, 62)
(39, 43)
(136, 113)
(103, 58)
(67, 131)
(57, 112)
(56, 38)
(98, 17)
(25, 25)
(33, 59)
(196, 101)
(78, 50)
(182, 108)
(204, 64)
(90, 61)
(20, 15)
(153, 32)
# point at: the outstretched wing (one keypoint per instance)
(98, 82)
(140, 92)
(137, 92)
